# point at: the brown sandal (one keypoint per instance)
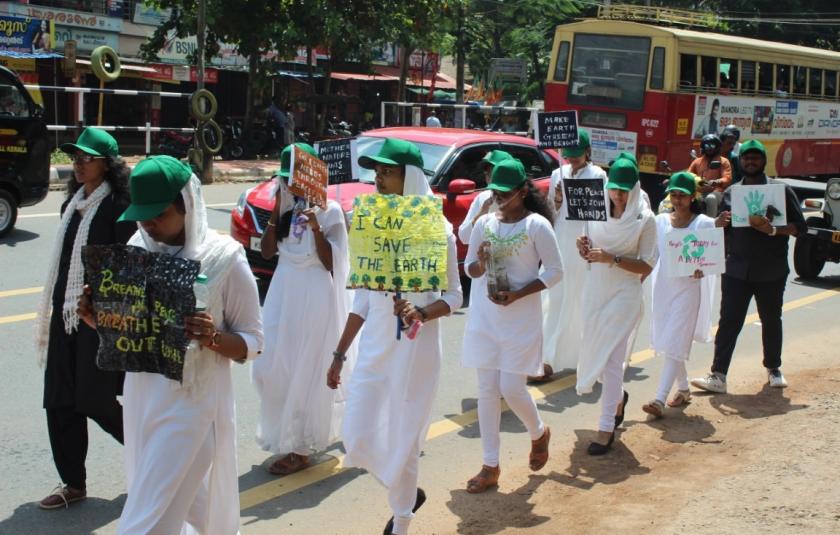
(548, 373)
(539, 451)
(289, 464)
(486, 478)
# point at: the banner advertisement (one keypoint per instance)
(766, 118)
(689, 250)
(140, 299)
(26, 35)
(608, 144)
(398, 243)
(64, 17)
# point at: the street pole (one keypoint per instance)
(460, 60)
(206, 157)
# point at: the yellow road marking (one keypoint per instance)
(279, 487)
(21, 291)
(19, 317)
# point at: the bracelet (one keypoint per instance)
(339, 356)
(215, 340)
(270, 224)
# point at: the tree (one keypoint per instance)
(366, 280)
(415, 283)
(380, 281)
(434, 282)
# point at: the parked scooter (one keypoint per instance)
(175, 144)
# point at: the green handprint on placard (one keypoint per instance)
(755, 202)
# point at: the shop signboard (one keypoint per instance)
(86, 40)
(607, 144)
(64, 17)
(149, 16)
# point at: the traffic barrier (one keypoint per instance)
(148, 129)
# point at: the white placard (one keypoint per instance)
(608, 144)
(755, 200)
(689, 250)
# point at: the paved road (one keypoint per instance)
(325, 498)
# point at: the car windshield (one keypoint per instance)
(369, 146)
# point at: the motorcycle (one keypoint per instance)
(232, 148)
(175, 144)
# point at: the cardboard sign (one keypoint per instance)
(556, 129)
(338, 155)
(140, 299)
(585, 199)
(398, 243)
(766, 200)
(309, 177)
(689, 250)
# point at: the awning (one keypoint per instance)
(442, 81)
(363, 77)
(297, 74)
(29, 55)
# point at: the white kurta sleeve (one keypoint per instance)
(553, 184)
(465, 230)
(242, 307)
(476, 239)
(648, 247)
(453, 296)
(549, 252)
(361, 303)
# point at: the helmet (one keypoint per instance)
(710, 144)
(731, 131)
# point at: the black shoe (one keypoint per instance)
(619, 418)
(596, 448)
(421, 499)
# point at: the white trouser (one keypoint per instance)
(672, 370)
(493, 385)
(612, 388)
(403, 495)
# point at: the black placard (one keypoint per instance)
(557, 129)
(338, 157)
(585, 199)
(140, 299)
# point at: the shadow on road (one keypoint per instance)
(493, 511)
(82, 517)
(823, 283)
(17, 236)
(678, 428)
(586, 471)
(767, 402)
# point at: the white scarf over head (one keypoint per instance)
(615, 234)
(214, 252)
(87, 207)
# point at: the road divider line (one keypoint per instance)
(21, 291)
(264, 492)
(19, 317)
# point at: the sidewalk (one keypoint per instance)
(223, 171)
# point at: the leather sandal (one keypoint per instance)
(655, 408)
(682, 397)
(486, 478)
(289, 464)
(548, 375)
(62, 496)
(539, 451)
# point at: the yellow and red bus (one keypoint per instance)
(656, 90)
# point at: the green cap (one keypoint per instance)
(495, 157)
(507, 175)
(154, 184)
(683, 181)
(579, 149)
(623, 175)
(628, 156)
(94, 141)
(394, 152)
(752, 144)
(286, 158)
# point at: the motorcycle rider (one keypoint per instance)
(714, 170)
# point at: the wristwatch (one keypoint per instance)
(616, 260)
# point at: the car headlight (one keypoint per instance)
(833, 191)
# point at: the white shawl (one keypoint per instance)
(615, 234)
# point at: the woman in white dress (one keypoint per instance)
(304, 308)
(180, 438)
(562, 320)
(503, 336)
(391, 390)
(620, 251)
(483, 202)
(682, 306)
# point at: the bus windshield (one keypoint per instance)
(609, 71)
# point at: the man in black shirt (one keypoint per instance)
(756, 265)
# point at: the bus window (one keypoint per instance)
(562, 62)
(657, 69)
(799, 78)
(765, 78)
(728, 73)
(748, 77)
(708, 72)
(815, 82)
(688, 71)
(782, 80)
(830, 84)
(609, 70)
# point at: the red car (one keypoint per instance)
(453, 164)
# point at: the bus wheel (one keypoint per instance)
(8, 212)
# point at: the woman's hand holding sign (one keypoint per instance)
(583, 245)
(85, 309)
(200, 327)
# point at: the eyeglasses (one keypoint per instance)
(85, 158)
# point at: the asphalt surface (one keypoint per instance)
(323, 499)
